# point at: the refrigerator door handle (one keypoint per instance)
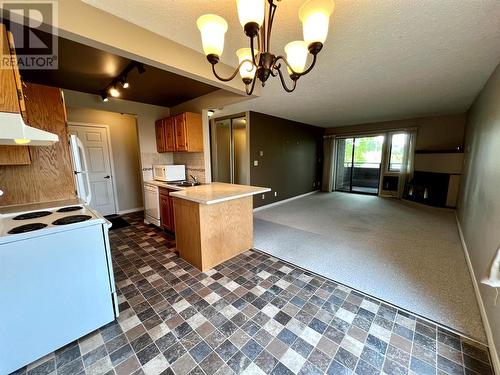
(85, 170)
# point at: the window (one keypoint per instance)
(396, 156)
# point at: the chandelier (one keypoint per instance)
(258, 62)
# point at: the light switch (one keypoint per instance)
(255, 163)
(263, 196)
(275, 193)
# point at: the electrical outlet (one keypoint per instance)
(261, 153)
(275, 193)
(263, 196)
(314, 184)
(255, 163)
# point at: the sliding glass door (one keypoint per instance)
(358, 164)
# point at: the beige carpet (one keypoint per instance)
(406, 254)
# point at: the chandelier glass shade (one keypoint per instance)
(257, 61)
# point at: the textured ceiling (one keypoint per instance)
(383, 60)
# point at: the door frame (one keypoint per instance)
(360, 135)
(110, 155)
(213, 143)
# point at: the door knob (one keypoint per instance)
(107, 177)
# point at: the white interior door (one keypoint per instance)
(95, 141)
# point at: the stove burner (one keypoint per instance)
(32, 215)
(71, 219)
(69, 209)
(27, 228)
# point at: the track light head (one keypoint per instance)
(123, 82)
(104, 96)
(140, 68)
(113, 91)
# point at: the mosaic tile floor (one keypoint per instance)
(254, 315)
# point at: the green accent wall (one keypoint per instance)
(292, 158)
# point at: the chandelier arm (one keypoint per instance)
(277, 66)
(283, 83)
(252, 51)
(231, 77)
(249, 92)
(272, 10)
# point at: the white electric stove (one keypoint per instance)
(56, 277)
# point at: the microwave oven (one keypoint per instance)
(169, 173)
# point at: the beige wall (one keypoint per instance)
(125, 148)
(479, 203)
(436, 132)
(145, 114)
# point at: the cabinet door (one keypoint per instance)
(181, 141)
(165, 211)
(160, 136)
(169, 134)
(172, 217)
(11, 99)
(17, 77)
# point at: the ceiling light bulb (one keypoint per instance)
(212, 29)
(251, 11)
(22, 141)
(104, 96)
(315, 17)
(113, 91)
(124, 83)
(247, 69)
(296, 55)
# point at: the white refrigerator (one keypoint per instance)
(82, 179)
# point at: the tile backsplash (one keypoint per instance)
(195, 163)
(148, 159)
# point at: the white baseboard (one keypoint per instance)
(284, 201)
(489, 335)
(130, 210)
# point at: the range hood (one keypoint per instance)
(14, 132)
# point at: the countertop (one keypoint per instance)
(165, 185)
(217, 192)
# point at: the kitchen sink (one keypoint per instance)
(188, 184)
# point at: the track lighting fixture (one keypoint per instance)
(112, 89)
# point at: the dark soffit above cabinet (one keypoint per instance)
(87, 69)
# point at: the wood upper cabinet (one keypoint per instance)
(182, 133)
(181, 141)
(50, 176)
(160, 136)
(166, 210)
(188, 132)
(11, 98)
(169, 134)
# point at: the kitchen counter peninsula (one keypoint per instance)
(214, 222)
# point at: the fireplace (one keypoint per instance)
(430, 188)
